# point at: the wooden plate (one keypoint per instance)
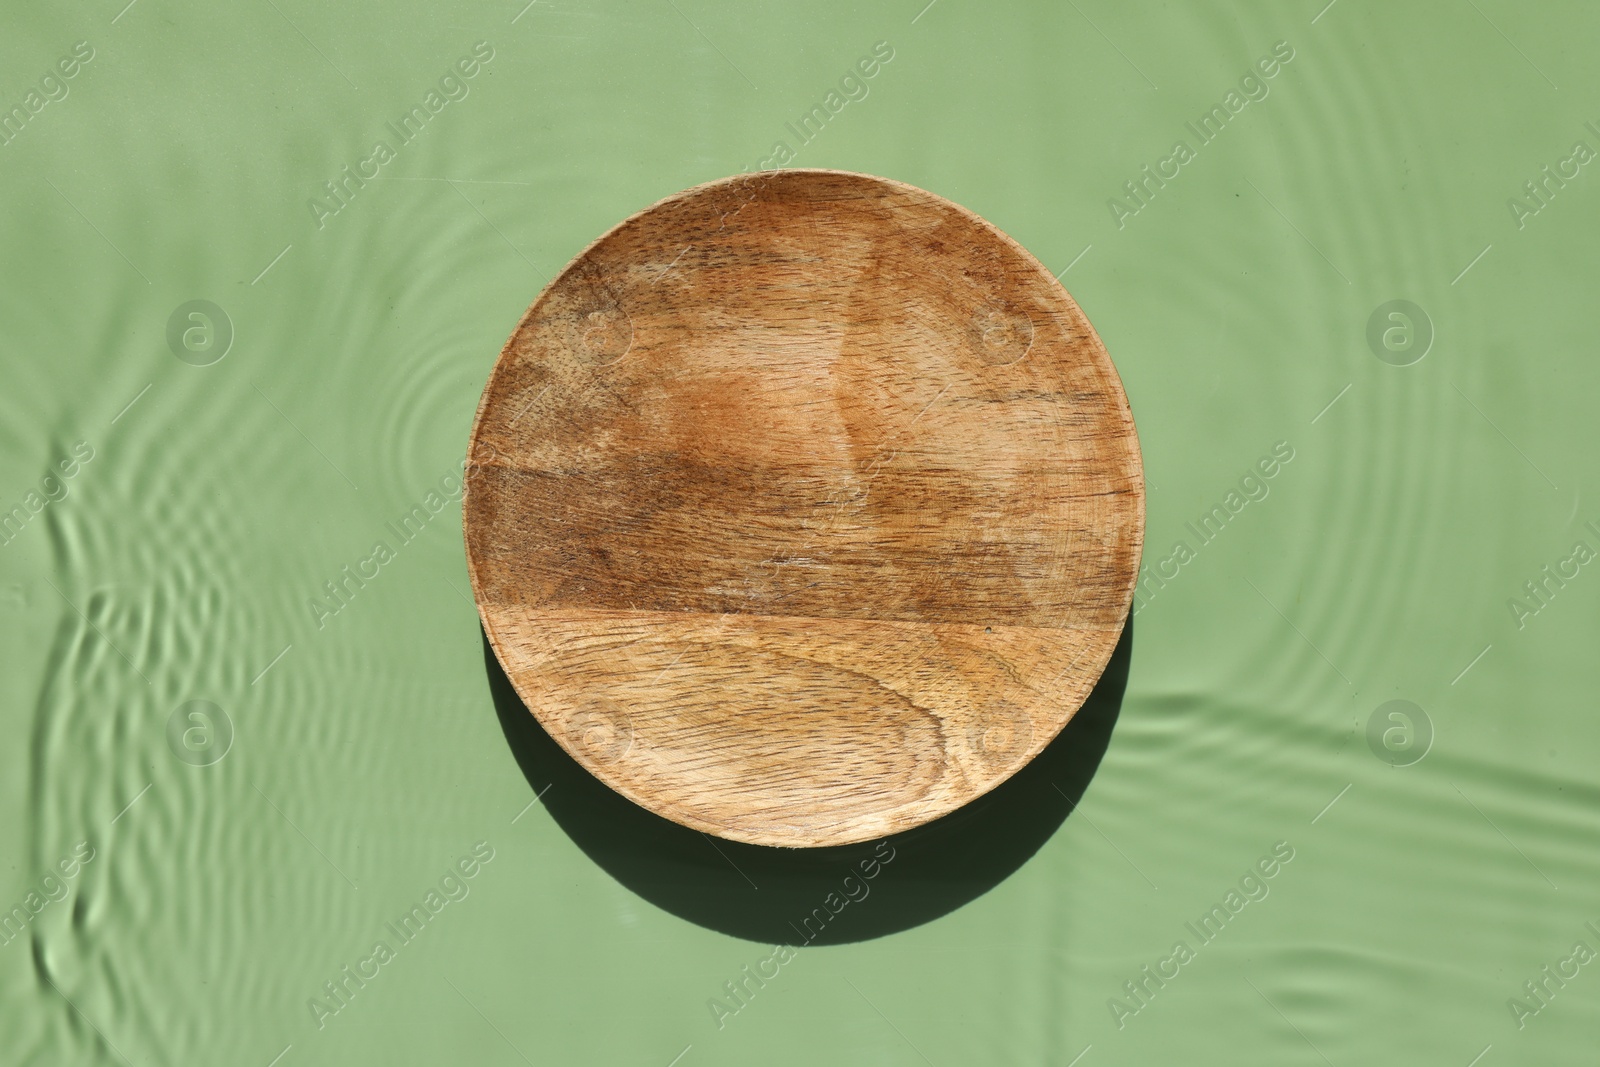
(804, 507)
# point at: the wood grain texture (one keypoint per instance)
(804, 507)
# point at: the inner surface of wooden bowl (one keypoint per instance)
(804, 507)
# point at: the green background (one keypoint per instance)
(366, 755)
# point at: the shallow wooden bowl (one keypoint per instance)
(804, 507)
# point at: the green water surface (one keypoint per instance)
(258, 261)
